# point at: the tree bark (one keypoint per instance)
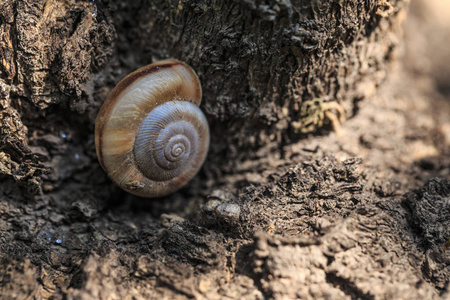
(282, 208)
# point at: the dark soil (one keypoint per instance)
(362, 213)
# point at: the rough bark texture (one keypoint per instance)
(258, 62)
(274, 56)
(275, 213)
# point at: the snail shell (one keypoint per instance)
(150, 135)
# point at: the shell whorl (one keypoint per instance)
(151, 137)
(171, 132)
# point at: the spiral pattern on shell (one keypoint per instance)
(150, 135)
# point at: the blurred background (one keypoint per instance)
(427, 32)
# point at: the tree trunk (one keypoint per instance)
(282, 208)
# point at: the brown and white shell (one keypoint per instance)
(150, 135)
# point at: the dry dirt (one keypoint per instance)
(362, 213)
